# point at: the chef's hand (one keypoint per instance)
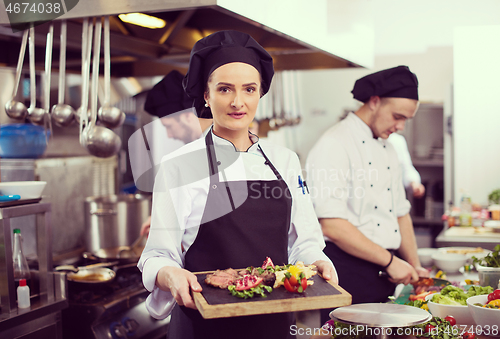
(418, 189)
(179, 282)
(145, 226)
(327, 271)
(401, 272)
(422, 272)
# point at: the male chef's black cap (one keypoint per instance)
(167, 96)
(397, 82)
(218, 49)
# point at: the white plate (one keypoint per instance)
(468, 251)
(495, 224)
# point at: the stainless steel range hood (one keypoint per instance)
(298, 36)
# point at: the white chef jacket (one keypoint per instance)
(410, 174)
(178, 209)
(355, 177)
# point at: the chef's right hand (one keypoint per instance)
(179, 282)
(401, 272)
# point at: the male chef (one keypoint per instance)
(356, 186)
(168, 101)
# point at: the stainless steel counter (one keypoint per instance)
(48, 289)
(43, 318)
(469, 237)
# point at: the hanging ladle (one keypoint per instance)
(16, 109)
(62, 113)
(79, 118)
(35, 114)
(48, 67)
(109, 116)
(99, 141)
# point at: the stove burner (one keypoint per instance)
(95, 308)
(128, 279)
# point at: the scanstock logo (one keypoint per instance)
(26, 13)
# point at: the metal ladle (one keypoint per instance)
(62, 113)
(99, 141)
(132, 250)
(85, 79)
(109, 116)
(48, 66)
(35, 115)
(16, 109)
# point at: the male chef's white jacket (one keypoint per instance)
(409, 172)
(179, 199)
(353, 176)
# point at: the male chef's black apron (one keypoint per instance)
(257, 229)
(358, 277)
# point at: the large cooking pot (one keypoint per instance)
(113, 222)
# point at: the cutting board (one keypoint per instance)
(469, 232)
(213, 302)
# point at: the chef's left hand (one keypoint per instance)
(422, 272)
(327, 271)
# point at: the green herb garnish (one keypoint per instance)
(250, 293)
(491, 260)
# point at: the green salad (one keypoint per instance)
(491, 260)
(452, 295)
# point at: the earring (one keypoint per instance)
(206, 104)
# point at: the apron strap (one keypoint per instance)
(212, 159)
(270, 164)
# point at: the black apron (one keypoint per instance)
(358, 277)
(244, 237)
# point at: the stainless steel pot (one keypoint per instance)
(113, 221)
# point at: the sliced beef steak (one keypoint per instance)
(222, 279)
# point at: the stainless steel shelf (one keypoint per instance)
(19, 321)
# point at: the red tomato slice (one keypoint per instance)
(496, 294)
(451, 320)
(429, 328)
(293, 281)
(289, 287)
(303, 283)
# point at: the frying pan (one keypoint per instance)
(122, 254)
(95, 274)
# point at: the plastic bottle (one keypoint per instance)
(21, 268)
(466, 211)
(23, 295)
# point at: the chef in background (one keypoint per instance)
(357, 190)
(212, 202)
(168, 101)
(411, 177)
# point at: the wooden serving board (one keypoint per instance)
(213, 302)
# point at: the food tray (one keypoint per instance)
(213, 302)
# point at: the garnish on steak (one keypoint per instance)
(246, 283)
(268, 277)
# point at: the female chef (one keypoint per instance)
(227, 199)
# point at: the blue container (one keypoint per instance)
(22, 141)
